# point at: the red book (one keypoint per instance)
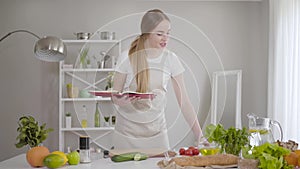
(110, 93)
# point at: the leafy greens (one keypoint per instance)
(231, 140)
(271, 156)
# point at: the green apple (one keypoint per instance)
(73, 158)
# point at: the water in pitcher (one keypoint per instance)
(260, 129)
(260, 136)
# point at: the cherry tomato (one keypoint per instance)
(189, 152)
(195, 151)
(182, 151)
(192, 148)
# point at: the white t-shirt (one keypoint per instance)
(171, 68)
(143, 124)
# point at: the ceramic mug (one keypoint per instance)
(72, 92)
(84, 93)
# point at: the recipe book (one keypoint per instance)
(110, 93)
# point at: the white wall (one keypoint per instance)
(238, 31)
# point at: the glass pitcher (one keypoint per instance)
(261, 130)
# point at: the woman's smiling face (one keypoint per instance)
(159, 36)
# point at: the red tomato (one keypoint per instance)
(195, 152)
(182, 151)
(192, 148)
(189, 152)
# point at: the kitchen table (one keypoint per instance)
(19, 162)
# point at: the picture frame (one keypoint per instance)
(226, 98)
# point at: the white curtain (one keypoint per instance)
(284, 66)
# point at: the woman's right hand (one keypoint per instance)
(132, 103)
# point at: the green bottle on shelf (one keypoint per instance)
(97, 116)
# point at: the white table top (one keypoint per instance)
(19, 162)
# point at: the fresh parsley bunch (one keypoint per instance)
(231, 140)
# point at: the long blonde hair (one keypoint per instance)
(137, 54)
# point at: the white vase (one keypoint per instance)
(106, 124)
(68, 122)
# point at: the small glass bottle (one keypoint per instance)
(69, 149)
(84, 117)
(97, 116)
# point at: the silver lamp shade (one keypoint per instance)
(50, 49)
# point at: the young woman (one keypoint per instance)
(148, 67)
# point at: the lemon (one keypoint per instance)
(262, 132)
(73, 158)
(53, 161)
(62, 154)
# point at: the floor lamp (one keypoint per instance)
(49, 48)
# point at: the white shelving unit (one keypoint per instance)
(87, 70)
(90, 41)
(88, 129)
(89, 79)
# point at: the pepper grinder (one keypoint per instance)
(84, 146)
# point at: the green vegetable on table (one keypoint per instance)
(231, 140)
(270, 156)
(136, 156)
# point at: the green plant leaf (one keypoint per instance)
(30, 133)
(31, 119)
(21, 144)
(23, 120)
(231, 140)
(21, 136)
(83, 55)
(31, 125)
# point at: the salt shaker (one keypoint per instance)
(84, 146)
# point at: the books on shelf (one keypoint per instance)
(110, 93)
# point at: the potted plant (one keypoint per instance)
(32, 134)
(83, 57)
(68, 120)
(106, 121)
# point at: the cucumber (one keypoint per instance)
(129, 157)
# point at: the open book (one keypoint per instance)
(110, 93)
